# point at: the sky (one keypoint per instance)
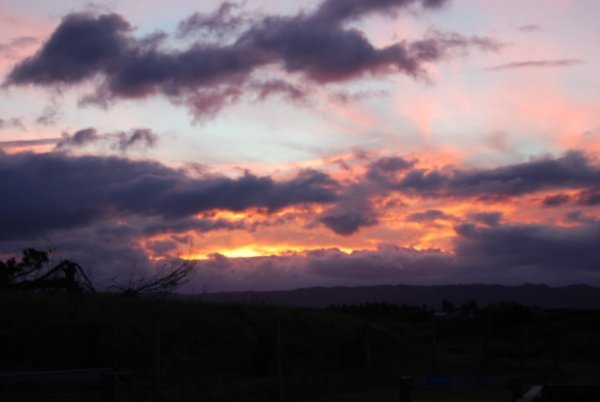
(310, 143)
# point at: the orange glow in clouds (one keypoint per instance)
(257, 251)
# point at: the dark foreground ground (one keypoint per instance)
(181, 350)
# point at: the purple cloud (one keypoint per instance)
(572, 170)
(55, 191)
(209, 76)
(121, 141)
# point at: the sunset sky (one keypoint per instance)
(286, 144)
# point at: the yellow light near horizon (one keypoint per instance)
(258, 251)
(240, 252)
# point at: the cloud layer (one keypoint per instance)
(80, 201)
(56, 190)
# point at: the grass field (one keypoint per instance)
(227, 351)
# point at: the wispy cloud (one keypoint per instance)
(121, 141)
(536, 64)
(530, 28)
(11, 123)
(10, 48)
(29, 143)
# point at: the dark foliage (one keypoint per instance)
(36, 272)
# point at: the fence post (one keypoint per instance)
(157, 389)
(278, 363)
(555, 349)
(434, 362)
(486, 344)
(109, 388)
(406, 387)
(516, 388)
(367, 356)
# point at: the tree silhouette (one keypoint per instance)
(35, 272)
(167, 277)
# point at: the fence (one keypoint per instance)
(68, 385)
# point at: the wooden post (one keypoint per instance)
(486, 345)
(367, 357)
(406, 387)
(434, 363)
(157, 389)
(522, 347)
(109, 388)
(516, 389)
(278, 363)
(555, 349)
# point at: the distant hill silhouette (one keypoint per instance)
(573, 296)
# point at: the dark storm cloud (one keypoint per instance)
(354, 208)
(487, 218)
(387, 263)
(385, 169)
(142, 137)
(336, 11)
(536, 64)
(319, 47)
(348, 219)
(556, 200)
(268, 88)
(182, 225)
(530, 246)
(246, 192)
(429, 216)
(589, 197)
(81, 47)
(55, 191)
(79, 138)
(207, 77)
(572, 170)
(580, 217)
